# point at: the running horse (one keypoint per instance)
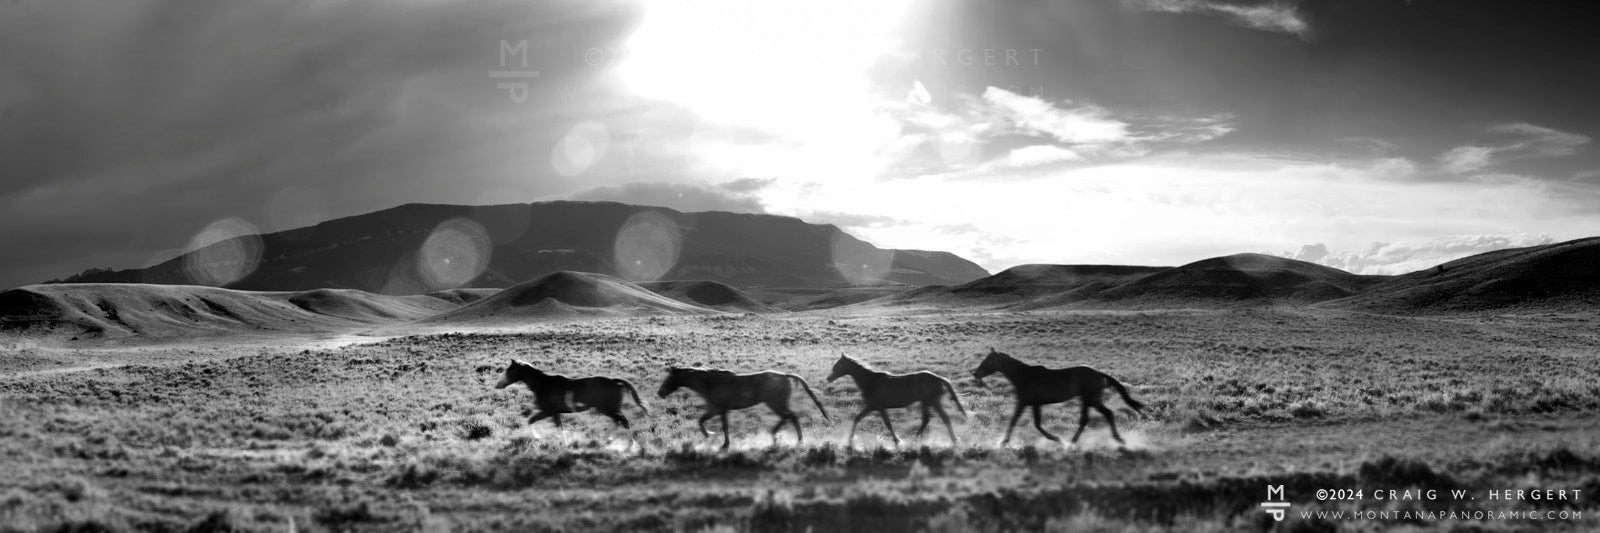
(881, 391)
(555, 394)
(1038, 386)
(725, 391)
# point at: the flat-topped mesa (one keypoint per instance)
(419, 248)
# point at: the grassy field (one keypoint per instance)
(407, 433)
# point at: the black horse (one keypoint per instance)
(554, 394)
(1036, 386)
(725, 391)
(881, 391)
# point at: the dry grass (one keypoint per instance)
(407, 433)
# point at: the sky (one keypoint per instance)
(1376, 136)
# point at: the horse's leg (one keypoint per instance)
(561, 430)
(937, 408)
(783, 418)
(703, 418)
(617, 417)
(1040, 426)
(927, 415)
(1083, 420)
(863, 414)
(541, 415)
(785, 415)
(799, 437)
(725, 441)
(886, 423)
(1015, 416)
(1110, 420)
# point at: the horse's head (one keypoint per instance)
(516, 371)
(675, 377)
(992, 363)
(842, 367)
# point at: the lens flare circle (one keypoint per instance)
(224, 252)
(583, 146)
(647, 247)
(457, 251)
(858, 262)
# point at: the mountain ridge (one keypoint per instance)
(382, 251)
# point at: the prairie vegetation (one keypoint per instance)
(407, 433)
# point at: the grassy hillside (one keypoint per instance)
(1554, 277)
(123, 310)
(711, 295)
(565, 295)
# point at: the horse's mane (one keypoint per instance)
(860, 363)
(524, 364)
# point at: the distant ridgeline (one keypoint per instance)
(1554, 277)
(419, 248)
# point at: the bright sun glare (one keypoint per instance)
(738, 61)
(792, 71)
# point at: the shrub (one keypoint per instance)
(1307, 409)
(1402, 472)
(476, 429)
(220, 521)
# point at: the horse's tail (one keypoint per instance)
(953, 396)
(807, 387)
(1135, 404)
(635, 393)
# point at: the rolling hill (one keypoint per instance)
(563, 295)
(711, 295)
(1238, 279)
(383, 251)
(122, 310)
(1020, 284)
(463, 296)
(1563, 276)
(812, 299)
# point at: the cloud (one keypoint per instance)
(1370, 145)
(1519, 140)
(1039, 154)
(1075, 124)
(1542, 141)
(128, 128)
(1463, 159)
(1187, 130)
(848, 220)
(1311, 253)
(1000, 129)
(1175, 208)
(1403, 257)
(747, 185)
(686, 197)
(1272, 16)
